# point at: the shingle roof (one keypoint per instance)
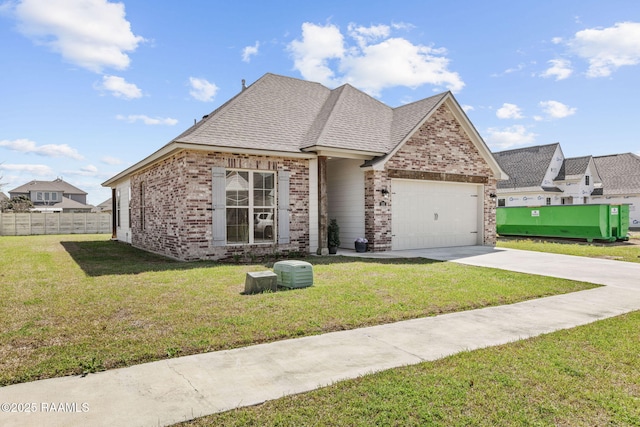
(620, 173)
(55, 185)
(285, 114)
(526, 167)
(573, 166)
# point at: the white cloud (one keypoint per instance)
(372, 62)
(120, 88)
(93, 34)
(502, 139)
(39, 170)
(367, 35)
(560, 69)
(509, 111)
(250, 51)
(132, 118)
(109, 160)
(556, 110)
(311, 55)
(607, 49)
(467, 108)
(202, 90)
(48, 150)
(87, 171)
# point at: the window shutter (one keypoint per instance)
(219, 198)
(283, 207)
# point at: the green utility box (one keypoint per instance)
(294, 274)
(591, 222)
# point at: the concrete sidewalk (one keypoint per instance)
(169, 391)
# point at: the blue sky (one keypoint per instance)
(89, 87)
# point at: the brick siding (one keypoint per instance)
(178, 205)
(440, 150)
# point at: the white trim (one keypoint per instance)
(343, 152)
(175, 147)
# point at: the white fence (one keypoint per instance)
(23, 224)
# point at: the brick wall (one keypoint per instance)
(440, 150)
(178, 205)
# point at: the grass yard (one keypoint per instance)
(621, 251)
(586, 376)
(81, 303)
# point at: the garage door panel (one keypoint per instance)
(433, 214)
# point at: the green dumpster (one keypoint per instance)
(591, 222)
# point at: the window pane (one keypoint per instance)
(263, 189)
(238, 225)
(263, 225)
(237, 188)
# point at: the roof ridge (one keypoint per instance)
(527, 147)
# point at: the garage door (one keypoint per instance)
(428, 214)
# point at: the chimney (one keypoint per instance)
(244, 84)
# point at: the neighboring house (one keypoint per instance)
(620, 174)
(541, 175)
(3, 197)
(53, 196)
(266, 171)
(104, 207)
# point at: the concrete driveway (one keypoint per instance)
(165, 392)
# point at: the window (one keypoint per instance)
(567, 200)
(142, 207)
(585, 200)
(501, 202)
(250, 206)
(54, 197)
(548, 201)
(39, 197)
(586, 180)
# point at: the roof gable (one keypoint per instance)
(573, 167)
(527, 166)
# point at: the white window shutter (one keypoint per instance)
(283, 207)
(219, 198)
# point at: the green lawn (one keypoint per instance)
(621, 251)
(586, 376)
(81, 303)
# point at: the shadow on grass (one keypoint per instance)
(100, 258)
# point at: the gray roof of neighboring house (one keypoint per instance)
(286, 114)
(55, 185)
(573, 166)
(620, 173)
(526, 167)
(107, 204)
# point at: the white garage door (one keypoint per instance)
(427, 214)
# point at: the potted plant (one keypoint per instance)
(334, 237)
(361, 244)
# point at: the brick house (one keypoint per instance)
(266, 171)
